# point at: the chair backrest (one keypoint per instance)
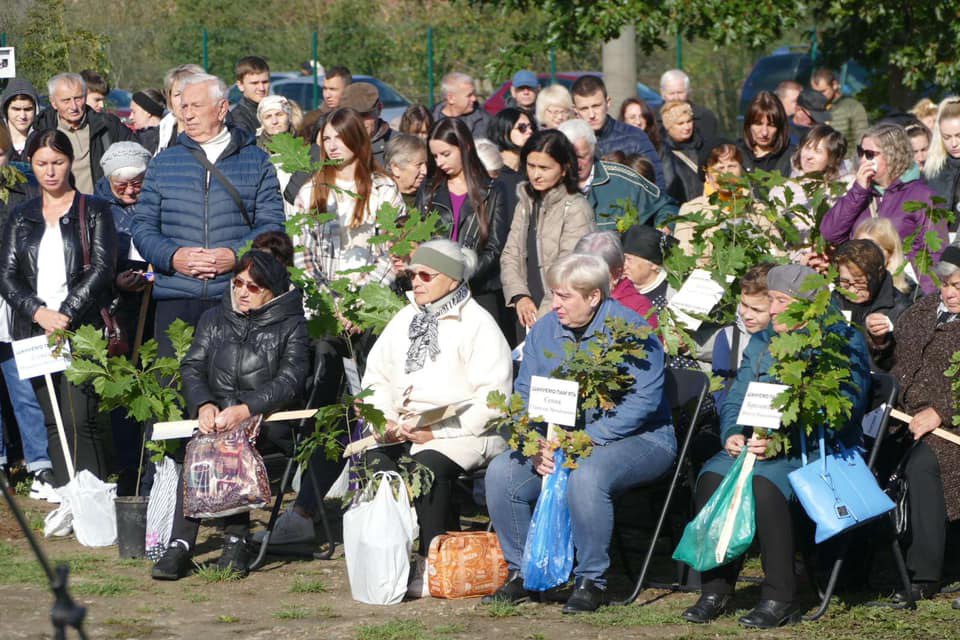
(684, 386)
(883, 390)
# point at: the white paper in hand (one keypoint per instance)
(699, 294)
(757, 409)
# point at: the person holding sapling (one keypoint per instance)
(443, 349)
(633, 444)
(250, 356)
(771, 489)
(919, 349)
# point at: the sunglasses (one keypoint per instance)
(239, 283)
(523, 127)
(136, 185)
(869, 154)
(425, 276)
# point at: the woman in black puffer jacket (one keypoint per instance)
(249, 356)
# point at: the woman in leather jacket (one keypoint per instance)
(249, 356)
(471, 205)
(44, 278)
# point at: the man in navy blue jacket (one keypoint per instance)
(591, 102)
(189, 222)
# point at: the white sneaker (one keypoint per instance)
(42, 487)
(418, 586)
(290, 528)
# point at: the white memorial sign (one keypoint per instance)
(34, 357)
(554, 400)
(699, 294)
(757, 409)
(8, 63)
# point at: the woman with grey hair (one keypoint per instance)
(886, 181)
(442, 349)
(405, 159)
(607, 245)
(554, 106)
(920, 348)
(634, 445)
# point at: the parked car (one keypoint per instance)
(790, 63)
(300, 90)
(497, 101)
(118, 103)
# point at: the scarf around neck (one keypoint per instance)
(423, 330)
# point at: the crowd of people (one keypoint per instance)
(149, 222)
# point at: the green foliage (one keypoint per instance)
(53, 45)
(599, 370)
(9, 177)
(292, 154)
(401, 239)
(932, 242)
(811, 359)
(953, 372)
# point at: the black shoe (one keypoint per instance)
(174, 564)
(512, 591)
(919, 591)
(586, 597)
(707, 608)
(770, 614)
(235, 556)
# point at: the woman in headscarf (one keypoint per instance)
(441, 349)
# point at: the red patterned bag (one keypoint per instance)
(465, 565)
(223, 472)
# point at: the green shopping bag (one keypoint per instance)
(724, 528)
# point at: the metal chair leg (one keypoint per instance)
(274, 514)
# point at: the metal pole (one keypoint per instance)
(206, 53)
(679, 49)
(553, 66)
(430, 78)
(313, 60)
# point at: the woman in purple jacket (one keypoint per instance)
(886, 180)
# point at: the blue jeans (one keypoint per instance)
(33, 431)
(513, 488)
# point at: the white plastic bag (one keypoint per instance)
(94, 516)
(378, 535)
(59, 522)
(161, 508)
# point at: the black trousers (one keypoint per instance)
(774, 533)
(434, 508)
(187, 309)
(928, 516)
(78, 409)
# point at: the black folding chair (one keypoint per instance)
(883, 393)
(287, 479)
(685, 388)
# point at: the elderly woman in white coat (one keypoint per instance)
(442, 349)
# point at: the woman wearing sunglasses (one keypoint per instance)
(886, 181)
(249, 356)
(509, 130)
(442, 349)
(472, 206)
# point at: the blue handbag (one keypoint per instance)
(838, 491)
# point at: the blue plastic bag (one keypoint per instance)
(548, 553)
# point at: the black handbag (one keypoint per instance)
(117, 344)
(898, 488)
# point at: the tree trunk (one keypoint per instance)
(620, 67)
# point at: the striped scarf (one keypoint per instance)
(423, 331)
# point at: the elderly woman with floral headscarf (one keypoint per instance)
(442, 349)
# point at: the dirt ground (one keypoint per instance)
(291, 598)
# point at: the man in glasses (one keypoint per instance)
(846, 114)
(364, 98)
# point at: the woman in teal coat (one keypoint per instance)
(772, 491)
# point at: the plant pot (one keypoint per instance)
(131, 525)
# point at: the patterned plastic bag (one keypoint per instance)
(223, 473)
(161, 508)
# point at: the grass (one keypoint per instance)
(227, 619)
(409, 630)
(196, 597)
(105, 585)
(294, 612)
(211, 573)
(327, 611)
(301, 585)
(502, 610)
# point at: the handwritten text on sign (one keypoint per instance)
(34, 357)
(553, 400)
(757, 409)
(699, 294)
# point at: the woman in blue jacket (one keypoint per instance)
(771, 489)
(633, 445)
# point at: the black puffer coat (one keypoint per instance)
(259, 359)
(89, 290)
(487, 276)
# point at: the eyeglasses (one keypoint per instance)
(239, 283)
(869, 154)
(425, 276)
(136, 185)
(523, 127)
(858, 285)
